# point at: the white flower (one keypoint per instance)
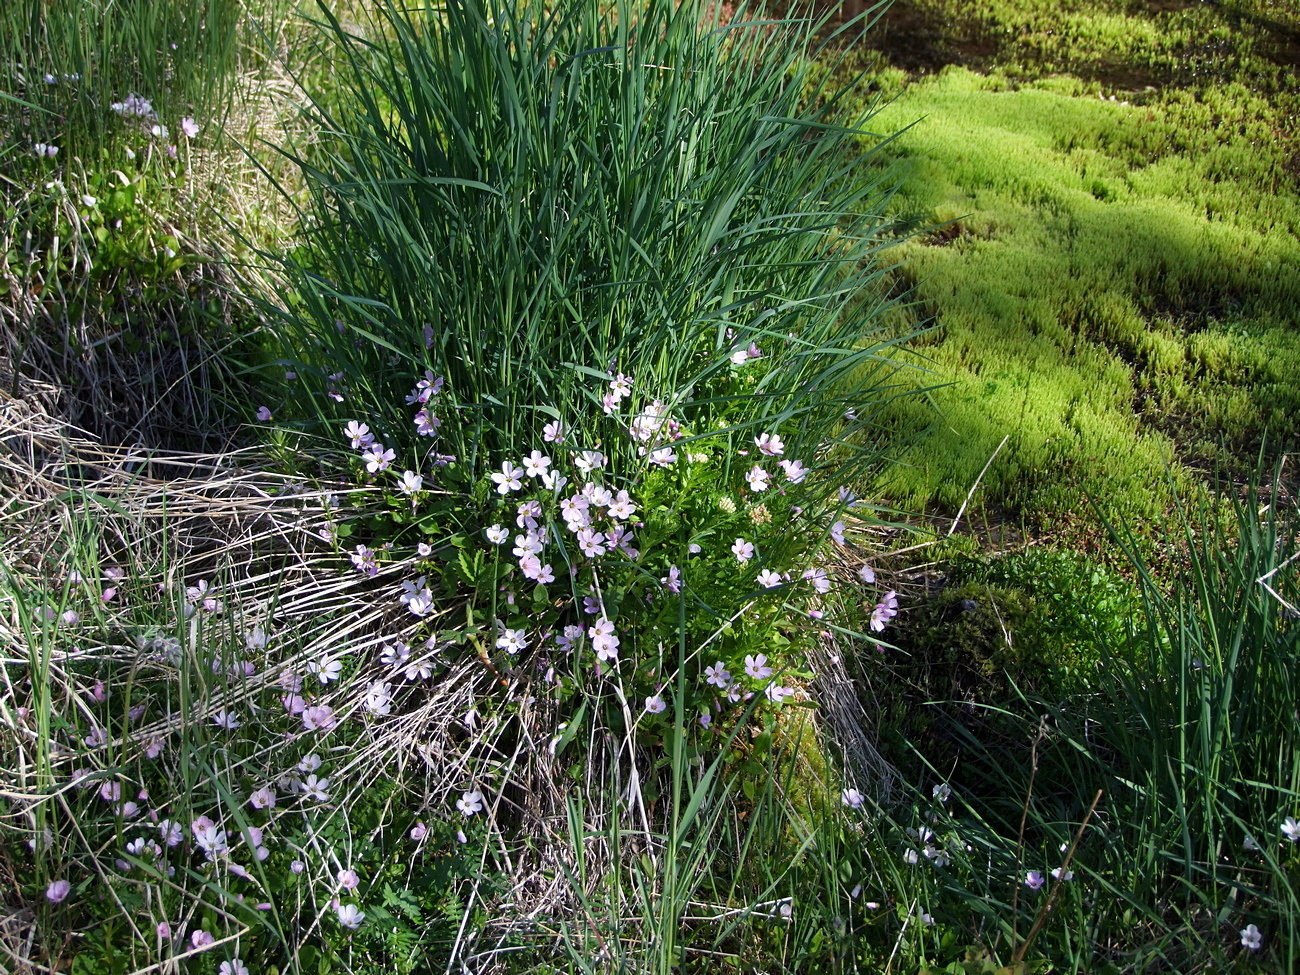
(553, 480)
(867, 574)
(536, 464)
(663, 457)
(234, 966)
(589, 460)
(655, 704)
(325, 669)
(512, 641)
(358, 434)
(410, 483)
(470, 803)
(852, 798)
(350, 916)
(1291, 829)
(379, 697)
(757, 478)
(210, 838)
(837, 532)
(769, 579)
(743, 550)
(795, 472)
(420, 604)
(508, 478)
(395, 654)
(1060, 873)
(942, 792)
(1251, 937)
(226, 719)
(496, 534)
(770, 444)
(378, 457)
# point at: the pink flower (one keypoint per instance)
(358, 434)
(263, 798)
(795, 472)
(378, 457)
(603, 639)
(536, 464)
(508, 478)
(189, 127)
(348, 879)
(319, 718)
(57, 891)
(673, 581)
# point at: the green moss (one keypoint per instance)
(1112, 278)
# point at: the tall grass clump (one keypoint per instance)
(1169, 792)
(630, 269)
(528, 200)
(69, 62)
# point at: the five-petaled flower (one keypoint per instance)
(512, 641)
(509, 478)
(536, 464)
(470, 803)
(350, 916)
(718, 675)
(378, 457)
(1252, 937)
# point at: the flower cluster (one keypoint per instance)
(569, 556)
